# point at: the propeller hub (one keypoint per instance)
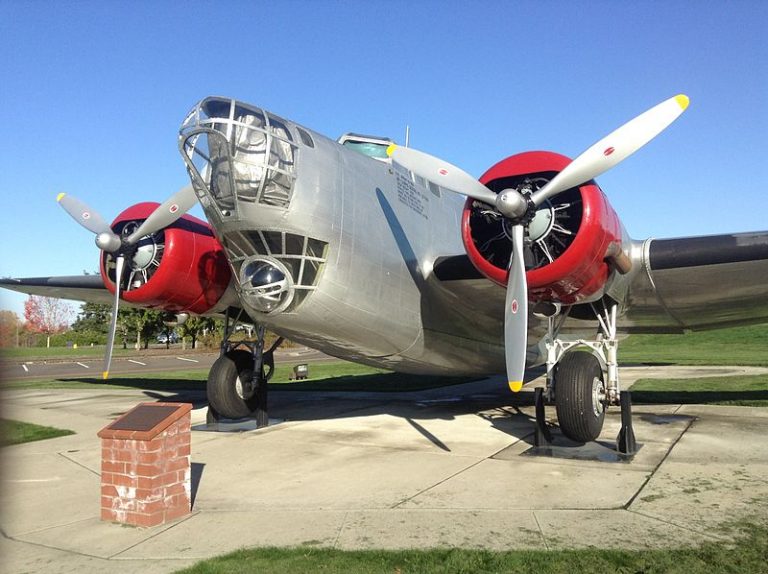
(107, 241)
(511, 204)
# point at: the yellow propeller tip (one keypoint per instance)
(515, 386)
(391, 149)
(58, 197)
(682, 101)
(104, 375)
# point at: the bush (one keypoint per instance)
(81, 339)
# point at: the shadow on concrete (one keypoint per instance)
(197, 475)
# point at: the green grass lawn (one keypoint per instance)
(747, 555)
(737, 346)
(16, 432)
(750, 390)
(325, 376)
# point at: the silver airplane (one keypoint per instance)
(390, 257)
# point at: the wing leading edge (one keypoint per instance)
(88, 288)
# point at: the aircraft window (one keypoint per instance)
(302, 257)
(294, 244)
(274, 241)
(237, 245)
(241, 154)
(305, 138)
(374, 150)
(281, 161)
(310, 271)
(421, 181)
(434, 188)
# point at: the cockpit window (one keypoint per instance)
(371, 146)
(371, 149)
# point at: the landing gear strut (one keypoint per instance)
(238, 380)
(582, 381)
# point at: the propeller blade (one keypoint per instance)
(442, 173)
(615, 147)
(83, 214)
(516, 314)
(119, 263)
(165, 214)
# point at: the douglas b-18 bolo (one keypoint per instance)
(387, 256)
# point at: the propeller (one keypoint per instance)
(123, 248)
(165, 213)
(119, 265)
(520, 208)
(516, 313)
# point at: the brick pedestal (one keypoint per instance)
(145, 465)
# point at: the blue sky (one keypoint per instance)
(92, 95)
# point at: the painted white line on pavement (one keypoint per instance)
(185, 359)
(137, 362)
(84, 366)
(23, 366)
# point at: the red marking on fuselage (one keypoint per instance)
(609, 151)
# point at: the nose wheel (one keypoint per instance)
(238, 380)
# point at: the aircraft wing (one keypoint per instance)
(702, 282)
(88, 288)
(676, 284)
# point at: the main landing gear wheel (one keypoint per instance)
(580, 396)
(231, 390)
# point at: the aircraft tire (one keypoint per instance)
(224, 392)
(578, 381)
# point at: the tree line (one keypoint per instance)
(49, 322)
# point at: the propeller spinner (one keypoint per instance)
(124, 248)
(519, 208)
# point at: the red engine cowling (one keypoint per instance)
(181, 268)
(573, 232)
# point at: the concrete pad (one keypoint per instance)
(102, 539)
(308, 472)
(451, 467)
(528, 484)
(717, 473)
(598, 529)
(210, 533)
(41, 490)
(706, 498)
(21, 557)
(407, 529)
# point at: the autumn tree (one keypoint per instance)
(47, 315)
(10, 325)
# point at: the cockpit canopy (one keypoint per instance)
(372, 146)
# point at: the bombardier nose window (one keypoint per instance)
(239, 153)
